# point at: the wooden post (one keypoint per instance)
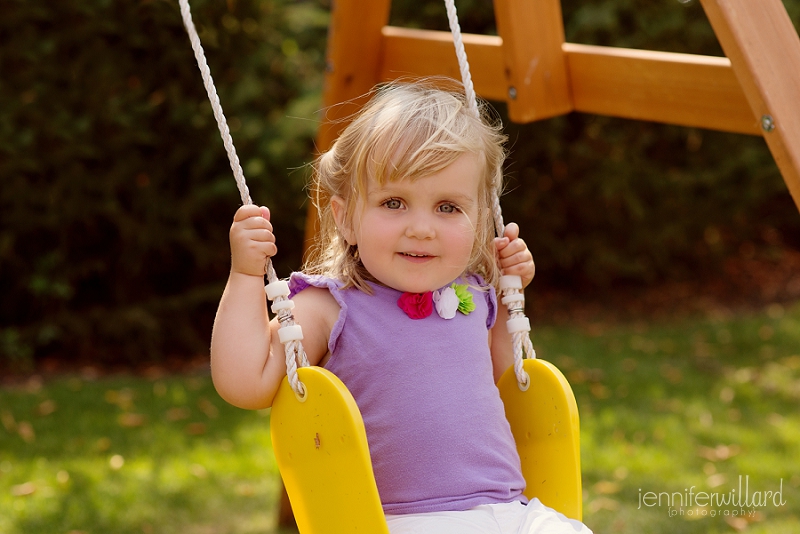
(352, 69)
(352, 60)
(536, 71)
(762, 44)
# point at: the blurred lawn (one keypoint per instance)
(697, 402)
(664, 407)
(127, 454)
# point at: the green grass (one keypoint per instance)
(664, 407)
(127, 454)
(699, 402)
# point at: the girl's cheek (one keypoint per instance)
(468, 222)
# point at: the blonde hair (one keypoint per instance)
(407, 130)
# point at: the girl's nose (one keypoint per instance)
(420, 227)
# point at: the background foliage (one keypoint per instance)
(117, 194)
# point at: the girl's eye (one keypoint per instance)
(448, 208)
(393, 204)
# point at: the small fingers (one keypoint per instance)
(268, 248)
(525, 268)
(252, 222)
(513, 254)
(508, 249)
(252, 240)
(261, 235)
(251, 257)
(252, 212)
(521, 257)
(510, 235)
(511, 231)
(246, 211)
(500, 243)
(525, 271)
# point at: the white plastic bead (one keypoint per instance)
(282, 305)
(510, 281)
(277, 289)
(290, 333)
(513, 298)
(520, 324)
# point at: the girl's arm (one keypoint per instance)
(247, 360)
(515, 258)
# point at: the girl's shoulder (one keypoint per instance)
(299, 281)
(318, 292)
(323, 300)
(316, 310)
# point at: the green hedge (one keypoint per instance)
(117, 196)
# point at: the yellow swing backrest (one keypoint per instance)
(544, 421)
(321, 449)
(322, 453)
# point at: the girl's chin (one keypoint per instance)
(408, 283)
(419, 288)
(408, 288)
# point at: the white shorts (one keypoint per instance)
(506, 518)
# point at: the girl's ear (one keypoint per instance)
(338, 207)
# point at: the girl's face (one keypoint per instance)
(417, 236)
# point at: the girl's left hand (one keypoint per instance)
(515, 258)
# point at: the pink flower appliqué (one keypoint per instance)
(416, 305)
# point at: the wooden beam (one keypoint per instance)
(764, 49)
(415, 53)
(684, 89)
(536, 73)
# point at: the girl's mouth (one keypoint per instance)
(416, 257)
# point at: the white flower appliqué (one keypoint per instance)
(446, 301)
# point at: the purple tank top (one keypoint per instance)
(436, 427)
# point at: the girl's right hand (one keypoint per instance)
(252, 240)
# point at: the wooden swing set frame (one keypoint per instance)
(754, 90)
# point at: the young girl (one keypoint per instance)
(399, 302)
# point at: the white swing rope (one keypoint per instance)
(510, 286)
(290, 334)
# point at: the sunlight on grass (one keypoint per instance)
(128, 454)
(666, 408)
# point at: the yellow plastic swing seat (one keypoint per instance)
(321, 449)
